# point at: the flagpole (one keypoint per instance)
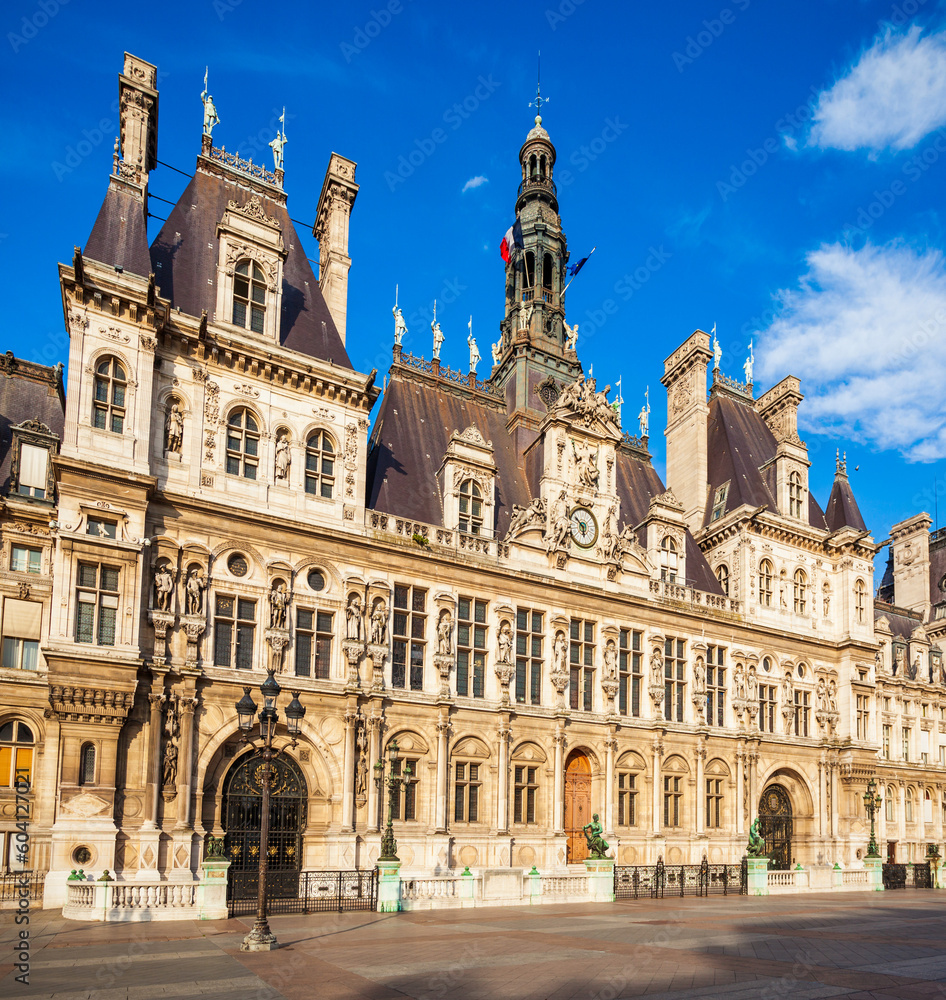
(565, 289)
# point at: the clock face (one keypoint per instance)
(584, 527)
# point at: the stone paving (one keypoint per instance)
(851, 945)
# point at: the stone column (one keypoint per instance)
(374, 754)
(558, 778)
(740, 790)
(901, 820)
(154, 754)
(752, 756)
(820, 797)
(443, 797)
(700, 790)
(348, 776)
(185, 762)
(833, 796)
(502, 779)
(656, 804)
(610, 746)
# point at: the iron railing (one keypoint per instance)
(661, 880)
(304, 892)
(915, 876)
(13, 885)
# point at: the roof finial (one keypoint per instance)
(539, 99)
(840, 463)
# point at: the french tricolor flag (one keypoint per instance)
(513, 238)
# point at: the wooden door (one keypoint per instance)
(577, 805)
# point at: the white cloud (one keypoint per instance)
(865, 330)
(893, 96)
(474, 182)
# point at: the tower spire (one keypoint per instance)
(539, 99)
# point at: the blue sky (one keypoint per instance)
(775, 168)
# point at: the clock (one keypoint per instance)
(584, 527)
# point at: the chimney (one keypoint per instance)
(339, 191)
(137, 148)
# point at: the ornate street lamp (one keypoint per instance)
(261, 938)
(872, 802)
(395, 783)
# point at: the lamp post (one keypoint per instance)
(395, 783)
(261, 938)
(872, 802)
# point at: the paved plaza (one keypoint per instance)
(856, 945)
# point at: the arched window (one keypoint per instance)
(533, 167)
(722, 574)
(530, 269)
(320, 465)
(16, 753)
(108, 407)
(471, 508)
(242, 444)
(860, 602)
(542, 167)
(795, 494)
(249, 296)
(547, 272)
(766, 575)
(668, 560)
(908, 805)
(87, 764)
(800, 591)
(927, 807)
(889, 805)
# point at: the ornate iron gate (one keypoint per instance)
(660, 880)
(308, 892)
(242, 813)
(915, 876)
(775, 826)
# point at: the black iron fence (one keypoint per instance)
(303, 892)
(915, 876)
(13, 885)
(660, 880)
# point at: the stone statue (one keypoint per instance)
(914, 670)
(787, 695)
(277, 146)
(747, 366)
(597, 845)
(379, 623)
(445, 634)
(438, 338)
(739, 683)
(656, 668)
(717, 352)
(353, 618)
(643, 419)
(505, 643)
(832, 696)
(278, 606)
(361, 763)
(525, 317)
(821, 696)
(826, 598)
(169, 768)
(210, 112)
(497, 350)
(586, 462)
(400, 327)
(215, 849)
(752, 684)
(899, 660)
(559, 527)
(571, 336)
(526, 517)
(474, 352)
(756, 846)
(699, 676)
(173, 429)
(611, 661)
(283, 457)
(560, 653)
(196, 582)
(163, 586)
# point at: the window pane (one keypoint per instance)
(303, 654)
(106, 626)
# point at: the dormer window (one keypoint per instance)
(249, 296)
(668, 560)
(719, 501)
(471, 508)
(796, 494)
(33, 472)
(108, 407)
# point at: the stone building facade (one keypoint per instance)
(497, 578)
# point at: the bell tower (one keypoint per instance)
(533, 361)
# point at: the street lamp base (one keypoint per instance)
(261, 938)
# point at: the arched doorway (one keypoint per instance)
(577, 804)
(775, 825)
(241, 814)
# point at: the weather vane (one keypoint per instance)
(539, 99)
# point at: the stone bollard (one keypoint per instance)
(758, 872)
(600, 879)
(467, 886)
(389, 886)
(212, 889)
(837, 877)
(532, 886)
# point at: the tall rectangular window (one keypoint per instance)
(863, 716)
(466, 792)
(627, 798)
(96, 603)
(714, 803)
(313, 641)
(906, 734)
(673, 798)
(529, 640)
(582, 660)
(886, 742)
(410, 631)
(471, 647)
(802, 712)
(22, 623)
(715, 685)
(525, 791)
(630, 675)
(674, 679)
(768, 696)
(26, 560)
(234, 632)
